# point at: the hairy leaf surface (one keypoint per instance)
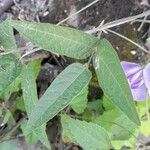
(10, 69)
(57, 39)
(7, 40)
(30, 100)
(89, 136)
(79, 103)
(61, 92)
(112, 79)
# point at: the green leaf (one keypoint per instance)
(7, 145)
(79, 103)
(141, 108)
(7, 116)
(118, 144)
(37, 134)
(29, 89)
(10, 69)
(15, 86)
(57, 39)
(20, 104)
(144, 128)
(88, 135)
(94, 109)
(7, 59)
(119, 126)
(112, 79)
(7, 39)
(31, 138)
(95, 106)
(108, 105)
(35, 65)
(61, 92)
(88, 115)
(30, 100)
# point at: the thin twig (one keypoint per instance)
(141, 20)
(124, 20)
(129, 40)
(58, 63)
(29, 53)
(142, 24)
(17, 5)
(119, 22)
(72, 15)
(10, 51)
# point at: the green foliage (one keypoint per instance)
(61, 92)
(35, 66)
(117, 124)
(56, 39)
(30, 138)
(7, 40)
(10, 69)
(6, 116)
(88, 135)
(30, 100)
(115, 113)
(79, 103)
(120, 143)
(145, 128)
(7, 145)
(20, 104)
(29, 89)
(145, 123)
(112, 79)
(95, 105)
(6, 59)
(108, 105)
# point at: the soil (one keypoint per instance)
(53, 11)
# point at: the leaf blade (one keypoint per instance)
(80, 102)
(10, 68)
(30, 99)
(7, 39)
(96, 136)
(114, 85)
(57, 39)
(119, 126)
(63, 89)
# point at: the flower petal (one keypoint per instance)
(136, 84)
(130, 68)
(140, 93)
(146, 76)
(136, 79)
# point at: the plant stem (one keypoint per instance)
(129, 40)
(147, 110)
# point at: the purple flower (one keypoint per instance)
(138, 78)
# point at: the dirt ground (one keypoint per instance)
(53, 11)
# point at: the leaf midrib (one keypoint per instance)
(92, 137)
(56, 35)
(122, 91)
(54, 102)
